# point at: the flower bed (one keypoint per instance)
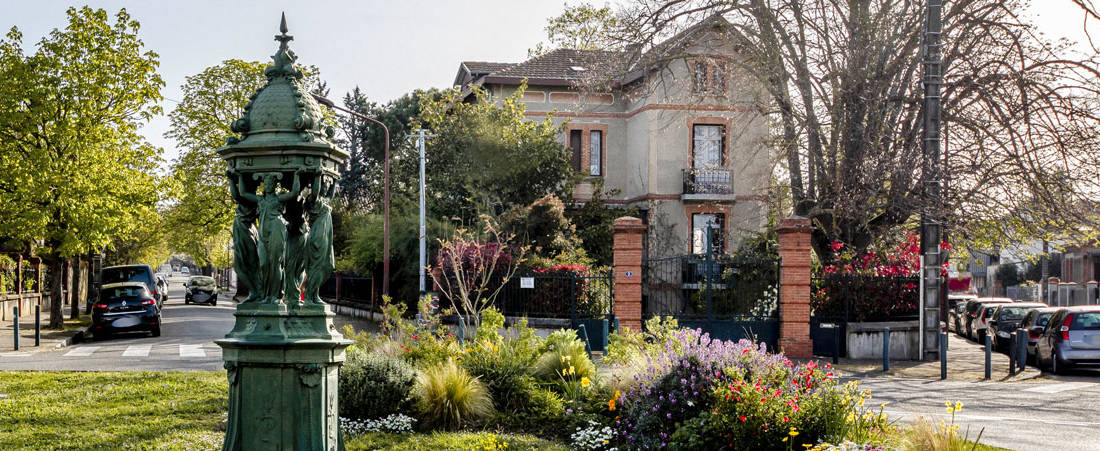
(670, 388)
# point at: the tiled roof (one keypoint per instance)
(485, 67)
(560, 64)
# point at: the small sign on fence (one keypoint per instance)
(629, 274)
(527, 282)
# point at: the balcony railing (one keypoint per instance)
(708, 181)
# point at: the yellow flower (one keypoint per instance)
(585, 382)
(784, 439)
(794, 432)
(950, 410)
(958, 406)
(947, 403)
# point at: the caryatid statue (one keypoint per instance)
(271, 251)
(245, 260)
(320, 261)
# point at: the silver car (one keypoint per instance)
(1070, 338)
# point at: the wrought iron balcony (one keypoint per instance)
(708, 184)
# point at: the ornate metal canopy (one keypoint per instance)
(282, 128)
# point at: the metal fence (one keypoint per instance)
(708, 181)
(349, 289)
(560, 294)
(838, 299)
(860, 298)
(705, 286)
(730, 297)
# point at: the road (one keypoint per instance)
(186, 342)
(1041, 414)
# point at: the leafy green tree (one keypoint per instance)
(582, 27)
(487, 157)
(212, 100)
(361, 184)
(75, 171)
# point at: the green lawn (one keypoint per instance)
(125, 410)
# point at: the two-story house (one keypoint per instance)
(682, 137)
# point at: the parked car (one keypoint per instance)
(1035, 322)
(185, 271)
(1071, 338)
(135, 273)
(125, 307)
(971, 314)
(201, 290)
(1006, 318)
(956, 304)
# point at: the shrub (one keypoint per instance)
(541, 411)
(374, 386)
(503, 369)
(449, 397)
(564, 356)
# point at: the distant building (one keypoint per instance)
(682, 139)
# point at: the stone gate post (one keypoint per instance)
(794, 287)
(627, 261)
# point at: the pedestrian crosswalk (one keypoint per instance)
(182, 351)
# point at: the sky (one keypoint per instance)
(387, 48)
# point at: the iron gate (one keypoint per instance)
(729, 296)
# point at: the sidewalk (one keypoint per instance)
(965, 362)
(51, 338)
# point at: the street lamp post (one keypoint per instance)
(385, 190)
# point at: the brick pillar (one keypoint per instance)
(794, 287)
(628, 271)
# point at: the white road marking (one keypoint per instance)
(15, 355)
(990, 418)
(192, 351)
(1057, 388)
(83, 351)
(137, 351)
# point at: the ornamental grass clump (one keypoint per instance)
(564, 356)
(447, 396)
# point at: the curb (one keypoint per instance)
(74, 339)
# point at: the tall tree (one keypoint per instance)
(75, 171)
(212, 100)
(361, 182)
(472, 164)
(842, 82)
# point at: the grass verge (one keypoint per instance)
(100, 410)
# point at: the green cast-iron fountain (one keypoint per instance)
(283, 353)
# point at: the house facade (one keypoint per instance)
(683, 141)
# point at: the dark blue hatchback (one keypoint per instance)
(125, 307)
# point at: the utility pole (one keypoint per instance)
(931, 226)
(421, 136)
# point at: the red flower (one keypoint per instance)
(836, 245)
(742, 418)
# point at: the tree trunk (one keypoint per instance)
(77, 288)
(57, 318)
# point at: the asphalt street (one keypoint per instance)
(186, 342)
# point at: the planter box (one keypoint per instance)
(864, 340)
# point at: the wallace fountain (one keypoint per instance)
(283, 354)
